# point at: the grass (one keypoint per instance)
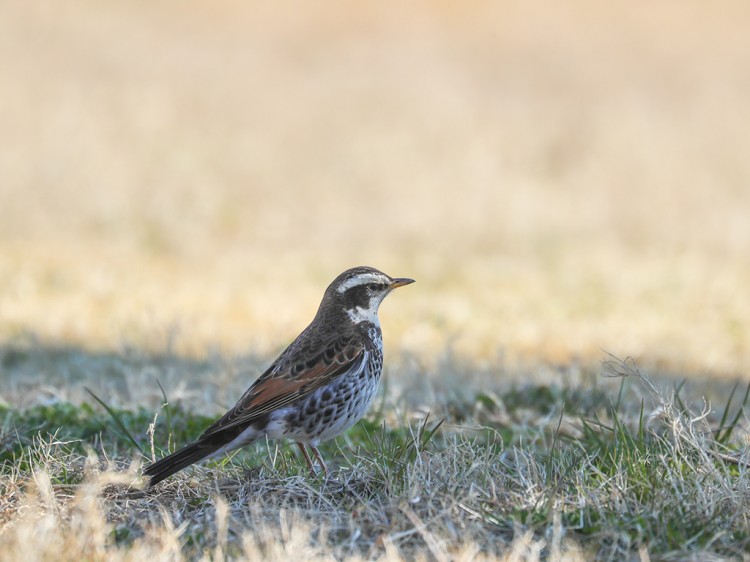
(614, 470)
(560, 178)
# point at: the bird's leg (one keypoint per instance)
(321, 462)
(307, 457)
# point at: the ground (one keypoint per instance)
(567, 182)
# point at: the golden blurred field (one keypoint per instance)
(560, 178)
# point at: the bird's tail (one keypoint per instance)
(178, 460)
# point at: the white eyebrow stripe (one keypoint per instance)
(362, 279)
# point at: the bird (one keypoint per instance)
(319, 386)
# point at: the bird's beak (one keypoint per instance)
(400, 282)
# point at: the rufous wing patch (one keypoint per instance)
(283, 388)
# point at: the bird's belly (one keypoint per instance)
(331, 410)
(275, 428)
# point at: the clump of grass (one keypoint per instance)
(535, 472)
(82, 427)
(661, 480)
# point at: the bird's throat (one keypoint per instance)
(359, 314)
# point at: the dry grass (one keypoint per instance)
(179, 182)
(573, 471)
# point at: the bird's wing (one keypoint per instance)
(292, 377)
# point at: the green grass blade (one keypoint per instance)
(641, 425)
(724, 438)
(116, 418)
(168, 412)
(726, 409)
(428, 434)
(678, 399)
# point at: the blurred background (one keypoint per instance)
(561, 178)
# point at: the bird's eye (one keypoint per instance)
(374, 287)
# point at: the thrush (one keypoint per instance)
(319, 386)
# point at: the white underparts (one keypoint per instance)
(370, 314)
(275, 429)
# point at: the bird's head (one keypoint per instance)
(359, 292)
